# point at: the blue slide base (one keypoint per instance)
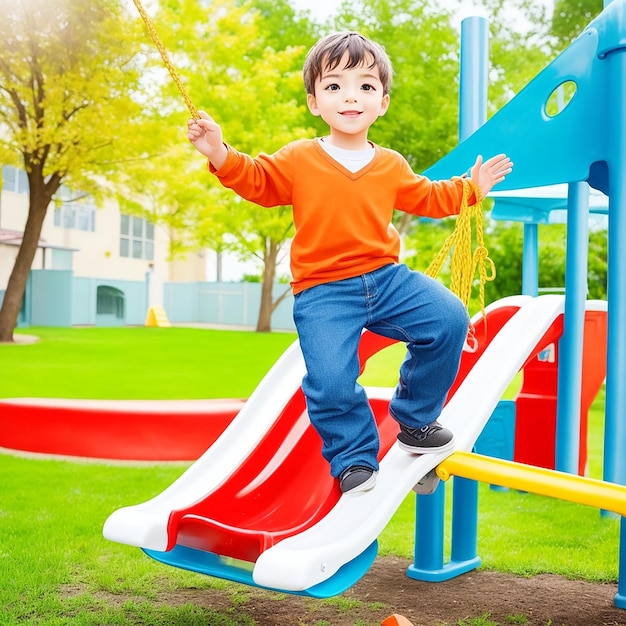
(241, 571)
(448, 571)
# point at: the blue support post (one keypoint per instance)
(615, 404)
(615, 428)
(569, 384)
(620, 597)
(530, 260)
(474, 75)
(429, 524)
(464, 551)
(615, 407)
(430, 509)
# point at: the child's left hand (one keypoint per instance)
(491, 172)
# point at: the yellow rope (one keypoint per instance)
(464, 262)
(166, 59)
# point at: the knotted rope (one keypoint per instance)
(464, 262)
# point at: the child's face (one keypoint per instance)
(349, 101)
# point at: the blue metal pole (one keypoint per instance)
(530, 261)
(474, 75)
(464, 547)
(472, 115)
(428, 559)
(429, 535)
(615, 425)
(615, 407)
(620, 596)
(569, 386)
(615, 403)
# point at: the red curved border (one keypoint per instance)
(137, 430)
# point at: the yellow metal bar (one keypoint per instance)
(539, 480)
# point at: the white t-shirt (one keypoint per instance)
(352, 160)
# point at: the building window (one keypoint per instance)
(76, 211)
(136, 238)
(14, 180)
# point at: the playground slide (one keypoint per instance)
(279, 511)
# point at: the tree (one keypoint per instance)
(243, 65)
(519, 45)
(570, 17)
(66, 75)
(506, 242)
(598, 264)
(251, 81)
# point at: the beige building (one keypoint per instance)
(98, 266)
(99, 243)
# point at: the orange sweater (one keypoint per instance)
(342, 219)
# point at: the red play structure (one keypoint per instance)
(535, 423)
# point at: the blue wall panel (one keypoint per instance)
(51, 294)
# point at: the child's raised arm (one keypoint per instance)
(206, 136)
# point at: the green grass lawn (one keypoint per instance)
(139, 363)
(55, 562)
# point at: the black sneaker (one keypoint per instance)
(429, 438)
(357, 478)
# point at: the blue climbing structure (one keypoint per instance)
(582, 145)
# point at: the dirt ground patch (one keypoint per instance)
(545, 600)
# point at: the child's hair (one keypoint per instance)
(327, 53)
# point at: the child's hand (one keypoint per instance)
(206, 136)
(490, 173)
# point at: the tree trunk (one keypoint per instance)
(19, 275)
(264, 322)
(405, 223)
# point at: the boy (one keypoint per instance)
(344, 256)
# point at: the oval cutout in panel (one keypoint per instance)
(560, 98)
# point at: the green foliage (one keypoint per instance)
(424, 240)
(241, 62)
(518, 47)
(505, 243)
(552, 256)
(237, 64)
(68, 78)
(597, 264)
(570, 17)
(422, 122)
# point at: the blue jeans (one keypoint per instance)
(395, 302)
